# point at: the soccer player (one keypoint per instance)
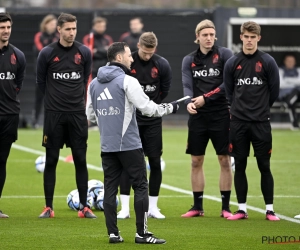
(202, 79)
(132, 37)
(63, 69)
(100, 43)
(113, 97)
(251, 81)
(154, 74)
(12, 72)
(47, 35)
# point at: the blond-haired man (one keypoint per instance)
(202, 79)
(155, 76)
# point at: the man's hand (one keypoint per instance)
(198, 101)
(191, 108)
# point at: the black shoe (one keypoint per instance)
(148, 238)
(115, 238)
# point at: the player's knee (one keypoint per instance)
(224, 161)
(197, 162)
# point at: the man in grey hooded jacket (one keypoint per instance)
(111, 102)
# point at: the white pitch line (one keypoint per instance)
(64, 196)
(165, 186)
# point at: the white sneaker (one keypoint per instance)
(297, 216)
(155, 213)
(123, 214)
(2, 215)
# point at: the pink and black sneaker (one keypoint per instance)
(225, 213)
(238, 215)
(193, 212)
(270, 215)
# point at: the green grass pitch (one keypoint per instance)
(23, 201)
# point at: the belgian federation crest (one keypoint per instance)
(154, 72)
(77, 58)
(258, 66)
(13, 59)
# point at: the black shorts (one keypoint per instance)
(205, 126)
(242, 133)
(8, 128)
(65, 128)
(151, 137)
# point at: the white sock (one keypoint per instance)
(124, 202)
(243, 206)
(153, 202)
(269, 207)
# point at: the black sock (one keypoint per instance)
(155, 176)
(198, 200)
(225, 195)
(267, 181)
(50, 175)
(240, 179)
(4, 153)
(79, 156)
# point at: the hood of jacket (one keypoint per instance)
(109, 72)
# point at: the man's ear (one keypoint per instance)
(119, 57)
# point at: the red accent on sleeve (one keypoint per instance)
(109, 39)
(215, 91)
(85, 40)
(37, 41)
(123, 36)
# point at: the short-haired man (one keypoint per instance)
(12, 70)
(251, 80)
(290, 87)
(202, 79)
(99, 42)
(132, 37)
(63, 69)
(112, 99)
(154, 75)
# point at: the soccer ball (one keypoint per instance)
(162, 164)
(73, 200)
(100, 199)
(94, 190)
(40, 163)
(92, 183)
(232, 164)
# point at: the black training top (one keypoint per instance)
(155, 77)
(252, 85)
(62, 75)
(202, 74)
(12, 72)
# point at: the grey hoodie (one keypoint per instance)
(111, 101)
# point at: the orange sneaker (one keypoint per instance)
(86, 213)
(47, 213)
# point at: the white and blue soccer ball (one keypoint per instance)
(40, 163)
(94, 188)
(232, 163)
(162, 164)
(100, 199)
(74, 202)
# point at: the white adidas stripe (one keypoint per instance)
(105, 95)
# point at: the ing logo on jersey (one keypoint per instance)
(215, 58)
(149, 88)
(154, 72)
(13, 59)
(247, 81)
(205, 73)
(7, 76)
(77, 58)
(66, 76)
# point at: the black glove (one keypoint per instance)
(175, 106)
